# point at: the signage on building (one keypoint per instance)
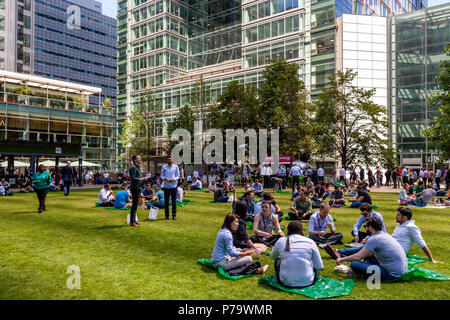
(281, 159)
(58, 150)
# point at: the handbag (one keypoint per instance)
(153, 214)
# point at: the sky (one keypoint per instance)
(110, 6)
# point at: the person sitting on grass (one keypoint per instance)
(403, 196)
(417, 190)
(366, 213)
(274, 207)
(363, 197)
(180, 192)
(257, 188)
(320, 192)
(301, 209)
(337, 196)
(297, 258)
(240, 237)
(380, 250)
(196, 185)
(25, 185)
(446, 202)
(212, 186)
(106, 197)
(351, 191)
(263, 226)
(225, 254)
(249, 197)
(309, 183)
(2, 191)
(123, 199)
(6, 186)
(407, 233)
(296, 193)
(147, 196)
(318, 224)
(159, 194)
(429, 194)
(219, 196)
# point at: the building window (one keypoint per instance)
(2, 64)
(2, 44)
(27, 22)
(2, 22)
(26, 40)
(26, 59)
(2, 4)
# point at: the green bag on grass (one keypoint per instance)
(281, 191)
(209, 264)
(413, 259)
(323, 288)
(418, 273)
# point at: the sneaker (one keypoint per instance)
(332, 252)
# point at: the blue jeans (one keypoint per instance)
(416, 202)
(356, 204)
(224, 199)
(362, 266)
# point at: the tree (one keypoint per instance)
(284, 104)
(439, 133)
(348, 124)
(139, 132)
(184, 120)
(200, 99)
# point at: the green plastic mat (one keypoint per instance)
(418, 273)
(212, 201)
(202, 189)
(375, 206)
(413, 259)
(280, 191)
(209, 264)
(179, 204)
(97, 205)
(187, 200)
(323, 288)
(114, 208)
(249, 224)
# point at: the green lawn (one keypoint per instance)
(158, 260)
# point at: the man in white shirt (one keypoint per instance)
(195, 174)
(295, 172)
(405, 175)
(438, 178)
(266, 172)
(320, 174)
(407, 233)
(196, 185)
(105, 197)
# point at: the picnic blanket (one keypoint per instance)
(413, 259)
(428, 207)
(281, 191)
(418, 273)
(323, 288)
(209, 264)
(202, 189)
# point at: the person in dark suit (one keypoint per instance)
(66, 174)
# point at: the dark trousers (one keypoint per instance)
(135, 195)
(67, 185)
(295, 182)
(361, 235)
(329, 239)
(277, 265)
(268, 242)
(41, 194)
(293, 216)
(438, 180)
(170, 193)
(266, 181)
(107, 204)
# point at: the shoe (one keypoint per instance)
(262, 270)
(134, 225)
(332, 252)
(167, 218)
(174, 218)
(138, 223)
(39, 211)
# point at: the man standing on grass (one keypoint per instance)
(66, 174)
(170, 174)
(136, 187)
(407, 233)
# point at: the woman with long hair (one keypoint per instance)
(225, 254)
(297, 258)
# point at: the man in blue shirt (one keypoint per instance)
(170, 174)
(258, 188)
(281, 174)
(318, 224)
(159, 194)
(295, 173)
(123, 199)
(249, 196)
(381, 250)
(366, 213)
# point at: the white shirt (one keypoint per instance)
(407, 234)
(438, 173)
(342, 172)
(297, 265)
(103, 196)
(403, 195)
(405, 172)
(180, 192)
(195, 174)
(320, 172)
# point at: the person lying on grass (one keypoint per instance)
(429, 194)
(263, 226)
(407, 233)
(297, 258)
(240, 237)
(381, 250)
(318, 224)
(301, 208)
(366, 213)
(225, 254)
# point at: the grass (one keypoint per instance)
(158, 260)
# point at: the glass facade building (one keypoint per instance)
(84, 52)
(40, 115)
(167, 46)
(418, 41)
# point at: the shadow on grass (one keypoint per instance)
(21, 212)
(111, 227)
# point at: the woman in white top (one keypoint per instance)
(297, 258)
(212, 186)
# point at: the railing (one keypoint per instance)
(53, 103)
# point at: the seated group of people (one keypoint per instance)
(420, 196)
(147, 199)
(5, 188)
(297, 258)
